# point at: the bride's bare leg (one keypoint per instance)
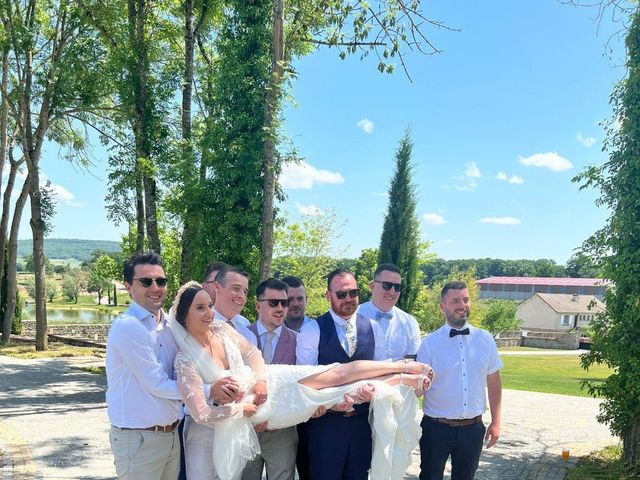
(359, 370)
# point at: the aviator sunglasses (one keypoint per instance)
(146, 282)
(273, 302)
(389, 285)
(342, 294)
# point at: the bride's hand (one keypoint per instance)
(260, 392)
(249, 409)
(416, 368)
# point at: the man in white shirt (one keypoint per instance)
(231, 287)
(466, 362)
(278, 346)
(143, 401)
(401, 330)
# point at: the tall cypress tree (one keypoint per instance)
(401, 231)
(616, 247)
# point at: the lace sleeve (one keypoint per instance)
(251, 356)
(190, 385)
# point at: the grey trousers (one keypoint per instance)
(277, 453)
(144, 455)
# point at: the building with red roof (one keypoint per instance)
(522, 288)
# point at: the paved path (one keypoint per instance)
(53, 425)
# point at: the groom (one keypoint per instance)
(340, 441)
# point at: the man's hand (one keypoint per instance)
(320, 411)
(260, 392)
(344, 406)
(225, 390)
(261, 427)
(493, 433)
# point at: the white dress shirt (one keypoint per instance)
(401, 331)
(461, 365)
(309, 339)
(141, 387)
(240, 323)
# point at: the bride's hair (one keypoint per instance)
(184, 299)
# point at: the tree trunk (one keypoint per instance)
(150, 201)
(12, 261)
(139, 214)
(115, 295)
(4, 124)
(631, 442)
(188, 230)
(270, 125)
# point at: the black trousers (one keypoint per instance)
(438, 441)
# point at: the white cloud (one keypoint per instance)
(434, 219)
(513, 179)
(303, 176)
(472, 170)
(64, 196)
(586, 141)
(501, 220)
(550, 160)
(366, 125)
(310, 210)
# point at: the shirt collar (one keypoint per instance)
(219, 316)
(377, 310)
(448, 328)
(341, 321)
(262, 329)
(141, 313)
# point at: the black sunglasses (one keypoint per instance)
(342, 294)
(389, 285)
(146, 282)
(273, 302)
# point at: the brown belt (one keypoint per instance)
(462, 422)
(156, 428)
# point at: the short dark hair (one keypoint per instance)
(213, 267)
(455, 285)
(272, 283)
(148, 258)
(221, 277)
(386, 267)
(184, 304)
(338, 272)
(293, 281)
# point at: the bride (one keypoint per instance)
(283, 395)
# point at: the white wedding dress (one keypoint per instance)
(392, 414)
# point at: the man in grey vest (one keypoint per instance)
(278, 346)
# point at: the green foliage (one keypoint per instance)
(304, 249)
(73, 283)
(401, 230)
(28, 264)
(97, 284)
(30, 286)
(363, 268)
(16, 326)
(581, 265)
(616, 249)
(500, 316)
(51, 289)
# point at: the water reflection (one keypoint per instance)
(69, 315)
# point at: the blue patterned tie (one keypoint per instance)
(350, 335)
(382, 315)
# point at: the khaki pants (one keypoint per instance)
(145, 455)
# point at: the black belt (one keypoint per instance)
(460, 422)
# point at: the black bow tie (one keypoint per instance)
(453, 332)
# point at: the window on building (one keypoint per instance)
(565, 321)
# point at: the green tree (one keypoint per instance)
(107, 269)
(98, 285)
(401, 230)
(52, 289)
(500, 316)
(615, 248)
(73, 282)
(364, 267)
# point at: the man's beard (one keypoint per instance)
(457, 322)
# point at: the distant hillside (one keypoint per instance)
(66, 248)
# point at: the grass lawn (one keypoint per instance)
(56, 349)
(603, 465)
(549, 374)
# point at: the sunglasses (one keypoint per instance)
(342, 294)
(273, 302)
(389, 285)
(146, 282)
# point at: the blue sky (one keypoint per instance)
(501, 120)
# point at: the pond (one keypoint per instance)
(67, 315)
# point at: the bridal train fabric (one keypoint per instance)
(392, 416)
